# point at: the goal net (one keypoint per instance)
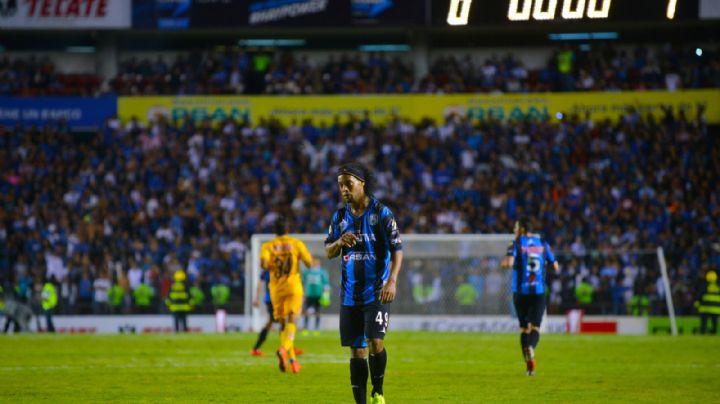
(441, 274)
(446, 274)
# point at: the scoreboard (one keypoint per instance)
(203, 14)
(515, 12)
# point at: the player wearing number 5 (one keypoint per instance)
(528, 256)
(281, 257)
(364, 233)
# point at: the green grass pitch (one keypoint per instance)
(422, 367)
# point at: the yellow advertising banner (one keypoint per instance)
(382, 108)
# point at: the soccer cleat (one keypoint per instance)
(256, 352)
(531, 367)
(298, 351)
(304, 333)
(295, 366)
(377, 399)
(282, 359)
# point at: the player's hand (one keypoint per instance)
(349, 240)
(256, 303)
(387, 294)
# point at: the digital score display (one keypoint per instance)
(503, 12)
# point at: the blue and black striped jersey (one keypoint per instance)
(532, 255)
(366, 265)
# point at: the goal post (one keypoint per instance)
(460, 275)
(668, 290)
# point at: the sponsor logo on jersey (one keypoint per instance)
(533, 250)
(359, 256)
(373, 219)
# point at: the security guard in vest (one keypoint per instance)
(178, 302)
(143, 295)
(708, 304)
(48, 301)
(220, 295)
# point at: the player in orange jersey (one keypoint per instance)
(281, 257)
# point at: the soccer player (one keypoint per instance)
(315, 283)
(263, 290)
(528, 256)
(365, 234)
(281, 257)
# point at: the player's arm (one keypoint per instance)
(392, 234)
(265, 257)
(387, 294)
(550, 257)
(509, 259)
(335, 242)
(305, 256)
(346, 240)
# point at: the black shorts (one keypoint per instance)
(269, 308)
(359, 323)
(529, 308)
(313, 302)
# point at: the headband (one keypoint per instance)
(352, 169)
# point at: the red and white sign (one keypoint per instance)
(65, 14)
(577, 323)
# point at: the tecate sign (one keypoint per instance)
(65, 14)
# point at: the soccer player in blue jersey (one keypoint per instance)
(528, 256)
(364, 233)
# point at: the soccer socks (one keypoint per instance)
(534, 338)
(358, 379)
(261, 338)
(377, 371)
(524, 344)
(289, 342)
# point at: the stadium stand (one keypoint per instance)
(147, 200)
(603, 68)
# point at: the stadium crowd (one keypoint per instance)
(32, 76)
(601, 68)
(132, 204)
